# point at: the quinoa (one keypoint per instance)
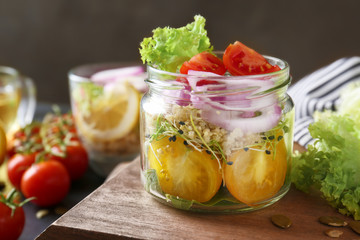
(180, 118)
(237, 139)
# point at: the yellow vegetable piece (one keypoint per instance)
(183, 171)
(255, 174)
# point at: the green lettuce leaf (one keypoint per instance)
(152, 181)
(350, 100)
(332, 163)
(222, 197)
(168, 48)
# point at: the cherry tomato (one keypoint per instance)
(31, 129)
(17, 165)
(48, 182)
(59, 127)
(204, 61)
(242, 60)
(75, 159)
(25, 140)
(11, 224)
(183, 171)
(257, 175)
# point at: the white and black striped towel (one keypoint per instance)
(320, 91)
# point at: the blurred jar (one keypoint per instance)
(17, 99)
(105, 101)
(217, 143)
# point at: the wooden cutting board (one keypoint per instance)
(121, 209)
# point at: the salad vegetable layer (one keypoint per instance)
(213, 149)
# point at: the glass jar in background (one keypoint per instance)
(217, 143)
(17, 99)
(105, 101)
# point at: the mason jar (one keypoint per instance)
(105, 101)
(217, 143)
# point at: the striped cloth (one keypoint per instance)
(320, 91)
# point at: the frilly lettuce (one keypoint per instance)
(169, 47)
(350, 100)
(332, 163)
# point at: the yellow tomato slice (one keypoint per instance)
(183, 171)
(255, 174)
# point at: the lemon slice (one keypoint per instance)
(112, 115)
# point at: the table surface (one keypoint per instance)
(79, 190)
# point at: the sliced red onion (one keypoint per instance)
(179, 96)
(238, 108)
(194, 77)
(231, 120)
(134, 75)
(111, 75)
(235, 109)
(240, 95)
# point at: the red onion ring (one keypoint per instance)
(134, 75)
(231, 120)
(236, 110)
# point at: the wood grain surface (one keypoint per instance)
(121, 209)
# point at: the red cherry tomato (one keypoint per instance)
(59, 127)
(242, 60)
(48, 182)
(75, 159)
(11, 226)
(25, 140)
(204, 61)
(17, 165)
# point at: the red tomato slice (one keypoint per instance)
(201, 82)
(182, 80)
(242, 60)
(204, 61)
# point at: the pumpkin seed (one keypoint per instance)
(334, 233)
(42, 213)
(60, 210)
(281, 221)
(355, 226)
(332, 221)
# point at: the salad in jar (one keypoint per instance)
(216, 128)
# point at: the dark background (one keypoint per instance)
(45, 38)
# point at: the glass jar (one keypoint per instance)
(105, 102)
(217, 143)
(17, 99)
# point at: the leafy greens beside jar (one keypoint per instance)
(332, 163)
